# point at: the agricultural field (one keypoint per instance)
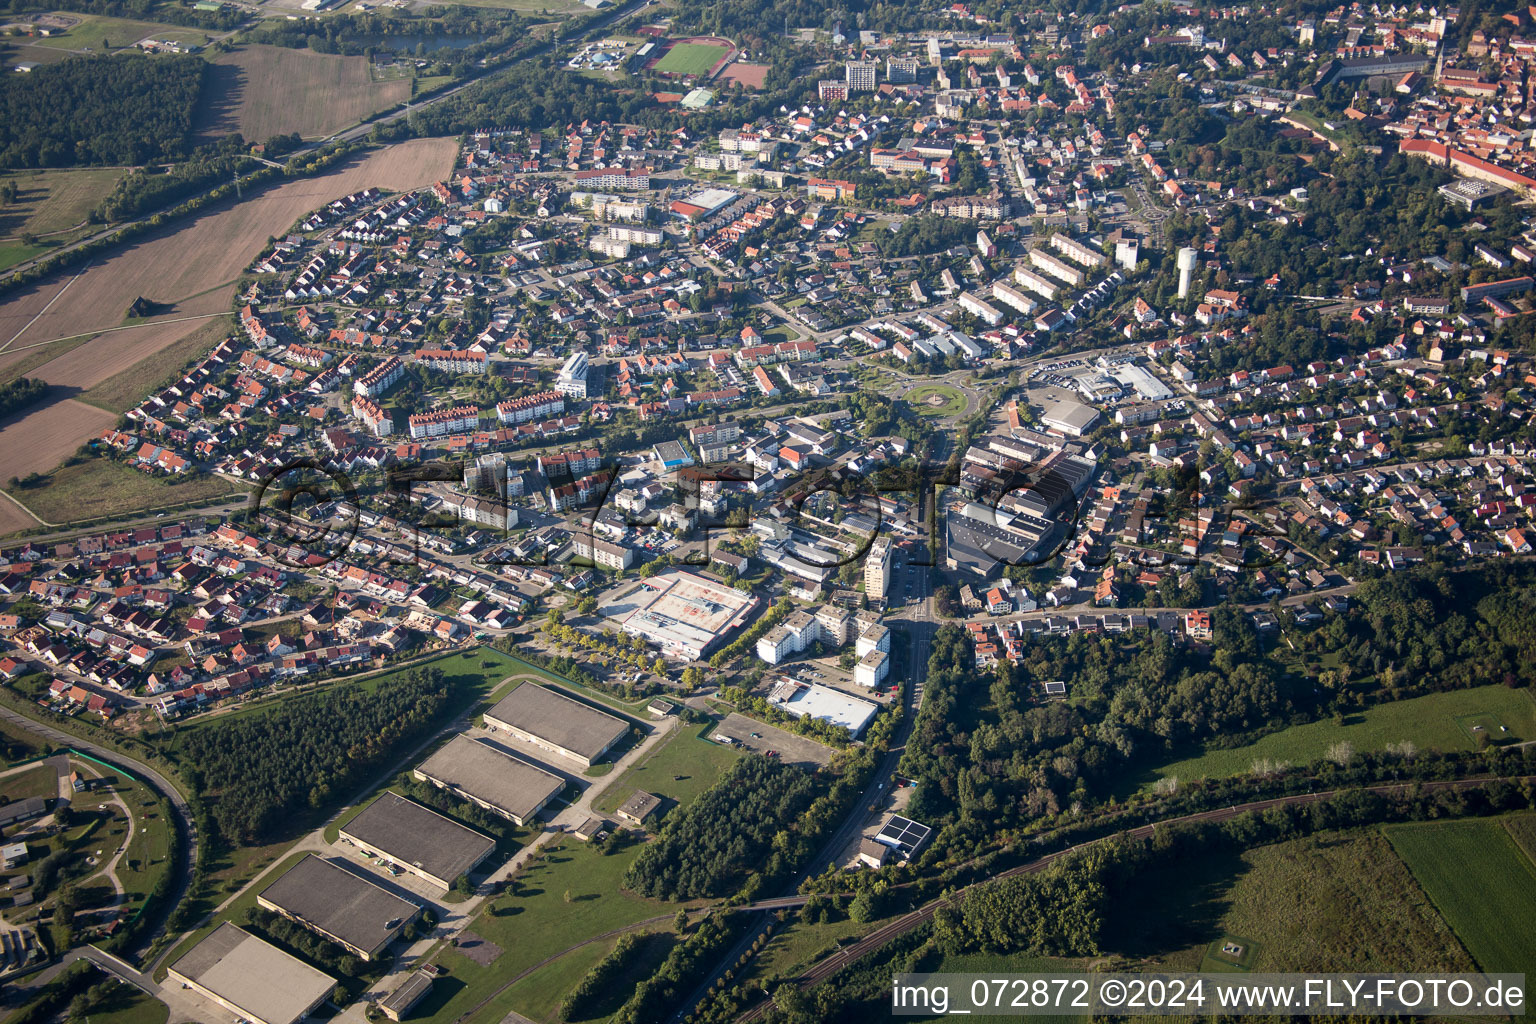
(1522, 829)
(1483, 884)
(1437, 721)
(1334, 902)
(678, 769)
(691, 58)
(261, 91)
(51, 205)
(96, 487)
(41, 439)
(190, 267)
(126, 389)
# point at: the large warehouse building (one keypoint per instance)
(557, 723)
(338, 905)
(491, 778)
(252, 978)
(417, 839)
(685, 614)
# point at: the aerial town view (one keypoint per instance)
(703, 511)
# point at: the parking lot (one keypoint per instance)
(759, 737)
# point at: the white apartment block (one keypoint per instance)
(571, 381)
(861, 75)
(872, 669)
(877, 569)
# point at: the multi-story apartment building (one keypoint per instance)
(530, 407)
(860, 75)
(380, 379)
(571, 381)
(453, 360)
(442, 422)
(377, 420)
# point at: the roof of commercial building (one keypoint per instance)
(408, 994)
(823, 702)
(412, 834)
(640, 805)
(492, 775)
(903, 833)
(558, 719)
(336, 901)
(266, 983)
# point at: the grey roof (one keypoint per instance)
(557, 719)
(640, 805)
(335, 901)
(409, 833)
(267, 984)
(508, 783)
(408, 994)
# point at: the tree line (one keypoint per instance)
(597, 984)
(263, 769)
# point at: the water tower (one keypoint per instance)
(1186, 268)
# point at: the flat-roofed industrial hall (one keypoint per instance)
(417, 839)
(557, 723)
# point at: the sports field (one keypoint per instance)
(1438, 721)
(1483, 884)
(691, 58)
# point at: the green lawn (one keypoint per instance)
(690, 59)
(1436, 721)
(40, 780)
(119, 33)
(936, 400)
(122, 1003)
(97, 488)
(12, 253)
(685, 753)
(1482, 883)
(537, 923)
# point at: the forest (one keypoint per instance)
(267, 768)
(17, 394)
(709, 848)
(119, 110)
(919, 236)
(984, 745)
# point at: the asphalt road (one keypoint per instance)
(186, 828)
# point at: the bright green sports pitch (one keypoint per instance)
(690, 58)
